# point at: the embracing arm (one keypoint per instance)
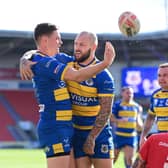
(25, 65)
(90, 71)
(101, 120)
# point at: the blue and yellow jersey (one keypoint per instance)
(84, 97)
(159, 108)
(128, 111)
(65, 59)
(50, 88)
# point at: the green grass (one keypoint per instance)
(120, 161)
(21, 158)
(31, 158)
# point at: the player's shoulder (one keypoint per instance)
(105, 78)
(64, 58)
(118, 102)
(157, 93)
(44, 60)
(105, 73)
(38, 57)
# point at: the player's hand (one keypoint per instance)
(25, 65)
(109, 53)
(89, 145)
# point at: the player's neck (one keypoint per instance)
(88, 61)
(165, 89)
(46, 52)
(128, 100)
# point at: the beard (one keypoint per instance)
(83, 57)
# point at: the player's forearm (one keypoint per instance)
(90, 71)
(28, 55)
(113, 119)
(102, 118)
(148, 124)
(140, 163)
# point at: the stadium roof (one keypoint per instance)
(102, 36)
(146, 46)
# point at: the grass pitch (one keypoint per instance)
(31, 158)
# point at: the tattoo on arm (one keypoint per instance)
(103, 117)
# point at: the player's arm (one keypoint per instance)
(139, 119)
(101, 120)
(147, 126)
(25, 65)
(113, 119)
(141, 163)
(90, 71)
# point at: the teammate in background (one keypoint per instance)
(154, 152)
(91, 103)
(158, 105)
(50, 76)
(126, 113)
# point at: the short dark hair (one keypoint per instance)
(44, 29)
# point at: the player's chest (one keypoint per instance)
(160, 102)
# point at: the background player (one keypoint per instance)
(158, 105)
(127, 116)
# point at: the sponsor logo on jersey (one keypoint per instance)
(89, 82)
(166, 103)
(104, 148)
(83, 99)
(48, 63)
(61, 84)
(42, 107)
(163, 144)
(66, 142)
(155, 102)
(46, 149)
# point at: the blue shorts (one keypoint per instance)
(122, 141)
(54, 138)
(103, 145)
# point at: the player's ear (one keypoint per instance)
(94, 47)
(44, 39)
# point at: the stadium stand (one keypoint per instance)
(24, 104)
(6, 121)
(20, 113)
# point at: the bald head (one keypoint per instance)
(92, 38)
(85, 45)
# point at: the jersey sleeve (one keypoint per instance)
(115, 108)
(151, 107)
(50, 68)
(64, 58)
(105, 84)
